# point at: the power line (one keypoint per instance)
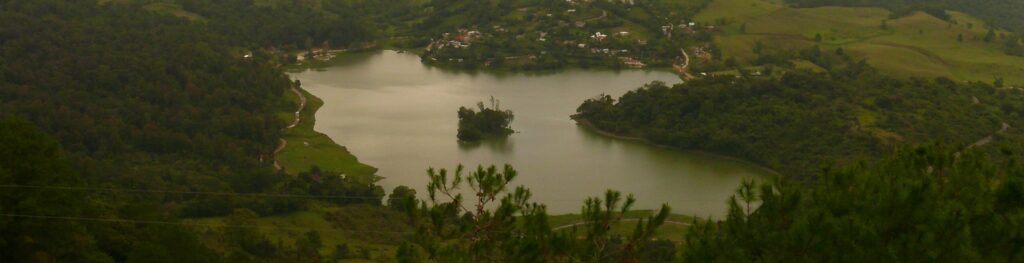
(263, 195)
(153, 191)
(154, 222)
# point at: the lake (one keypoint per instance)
(399, 115)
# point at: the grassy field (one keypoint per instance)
(163, 7)
(173, 9)
(346, 225)
(307, 147)
(917, 45)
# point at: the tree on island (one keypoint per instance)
(475, 125)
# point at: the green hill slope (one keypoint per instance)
(1001, 13)
(918, 45)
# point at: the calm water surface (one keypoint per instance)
(399, 115)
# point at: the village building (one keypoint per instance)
(632, 62)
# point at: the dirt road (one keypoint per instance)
(295, 122)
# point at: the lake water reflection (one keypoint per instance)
(398, 115)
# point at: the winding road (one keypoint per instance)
(295, 122)
(603, 15)
(685, 68)
(987, 140)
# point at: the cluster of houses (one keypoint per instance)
(632, 62)
(318, 53)
(462, 38)
(323, 53)
(608, 51)
(601, 36)
(685, 28)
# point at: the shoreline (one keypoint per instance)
(589, 126)
(509, 70)
(319, 64)
(310, 148)
(585, 123)
(579, 121)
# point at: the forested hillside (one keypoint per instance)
(801, 121)
(158, 119)
(294, 24)
(138, 99)
(155, 86)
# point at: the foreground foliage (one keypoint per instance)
(503, 225)
(927, 204)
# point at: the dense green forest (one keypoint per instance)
(290, 25)
(1000, 13)
(298, 24)
(140, 100)
(797, 122)
(52, 213)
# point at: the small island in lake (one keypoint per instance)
(484, 122)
